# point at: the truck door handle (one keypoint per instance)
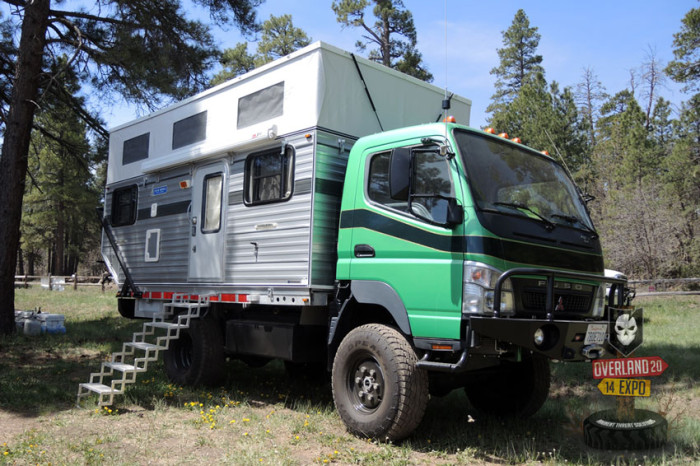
(364, 250)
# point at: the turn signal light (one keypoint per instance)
(545, 152)
(490, 130)
(450, 119)
(503, 135)
(517, 140)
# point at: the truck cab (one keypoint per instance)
(480, 251)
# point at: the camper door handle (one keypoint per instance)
(364, 250)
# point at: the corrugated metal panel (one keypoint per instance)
(171, 218)
(330, 164)
(269, 244)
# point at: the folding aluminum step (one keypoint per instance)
(149, 343)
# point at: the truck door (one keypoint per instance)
(421, 260)
(207, 223)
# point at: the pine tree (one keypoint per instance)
(62, 193)
(393, 34)
(590, 93)
(686, 67)
(518, 60)
(279, 38)
(140, 49)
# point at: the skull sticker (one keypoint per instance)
(626, 330)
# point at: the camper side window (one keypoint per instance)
(213, 185)
(269, 176)
(124, 206)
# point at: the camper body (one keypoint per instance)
(330, 221)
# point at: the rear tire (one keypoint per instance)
(197, 357)
(378, 390)
(513, 389)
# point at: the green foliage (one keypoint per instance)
(62, 194)
(393, 34)
(546, 119)
(279, 38)
(518, 60)
(640, 163)
(686, 67)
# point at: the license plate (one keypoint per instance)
(595, 335)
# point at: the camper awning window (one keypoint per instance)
(190, 130)
(135, 149)
(261, 105)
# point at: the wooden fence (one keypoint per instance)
(56, 282)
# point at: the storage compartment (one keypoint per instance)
(291, 342)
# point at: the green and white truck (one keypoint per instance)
(318, 210)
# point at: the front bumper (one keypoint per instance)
(563, 339)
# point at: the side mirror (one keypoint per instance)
(399, 173)
(438, 210)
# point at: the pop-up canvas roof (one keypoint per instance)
(317, 86)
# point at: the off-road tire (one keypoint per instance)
(602, 431)
(197, 357)
(513, 389)
(377, 360)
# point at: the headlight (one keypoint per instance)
(599, 301)
(478, 290)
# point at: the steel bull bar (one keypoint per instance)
(561, 339)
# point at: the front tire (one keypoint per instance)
(378, 390)
(197, 357)
(513, 389)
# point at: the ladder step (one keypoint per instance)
(165, 325)
(144, 346)
(185, 305)
(99, 388)
(121, 367)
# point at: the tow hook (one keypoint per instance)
(592, 351)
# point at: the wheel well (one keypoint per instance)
(352, 316)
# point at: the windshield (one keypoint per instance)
(508, 179)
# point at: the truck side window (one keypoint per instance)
(213, 185)
(431, 185)
(124, 206)
(378, 182)
(269, 176)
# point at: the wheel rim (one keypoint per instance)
(182, 352)
(366, 384)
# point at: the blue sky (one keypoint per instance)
(610, 37)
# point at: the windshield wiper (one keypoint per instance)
(571, 219)
(548, 225)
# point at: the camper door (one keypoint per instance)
(207, 222)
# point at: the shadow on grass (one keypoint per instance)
(40, 374)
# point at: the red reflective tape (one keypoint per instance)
(242, 298)
(228, 297)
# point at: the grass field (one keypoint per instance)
(261, 416)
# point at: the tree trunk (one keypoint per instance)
(13, 162)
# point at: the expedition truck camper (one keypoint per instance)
(322, 211)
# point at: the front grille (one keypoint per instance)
(536, 301)
(531, 296)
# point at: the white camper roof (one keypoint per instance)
(317, 86)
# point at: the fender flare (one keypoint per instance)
(382, 294)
